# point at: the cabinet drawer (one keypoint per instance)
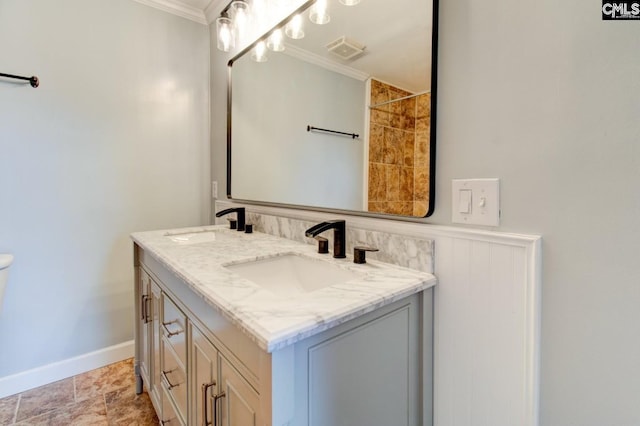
(174, 378)
(174, 325)
(169, 416)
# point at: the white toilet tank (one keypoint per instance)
(5, 261)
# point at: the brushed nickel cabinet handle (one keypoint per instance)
(215, 406)
(144, 308)
(167, 382)
(168, 332)
(205, 402)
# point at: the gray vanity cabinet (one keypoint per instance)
(239, 403)
(372, 370)
(219, 390)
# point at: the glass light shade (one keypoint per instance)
(226, 36)
(349, 2)
(259, 52)
(294, 28)
(240, 15)
(319, 13)
(275, 41)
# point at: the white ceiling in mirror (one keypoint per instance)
(384, 28)
(381, 26)
(193, 10)
(200, 4)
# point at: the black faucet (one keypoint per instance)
(240, 215)
(338, 227)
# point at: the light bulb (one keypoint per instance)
(240, 10)
(294, 28)
(349, 2)
(226, 38)
(275, 42)
(259, 52)
(319, 13)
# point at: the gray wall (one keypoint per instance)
(115, 140)
(269, 145)
(545, 96)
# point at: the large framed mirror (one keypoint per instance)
(342, 119)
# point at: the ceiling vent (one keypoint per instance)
(345, 48)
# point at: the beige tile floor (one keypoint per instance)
(105, 396)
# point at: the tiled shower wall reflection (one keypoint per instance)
(399, 151)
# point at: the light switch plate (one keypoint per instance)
(214, 189)
(484, 204)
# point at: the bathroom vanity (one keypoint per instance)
(240, 329)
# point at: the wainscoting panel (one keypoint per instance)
(486, 313)
(486, 332)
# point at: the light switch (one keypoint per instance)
(464, 205)
(475, 201)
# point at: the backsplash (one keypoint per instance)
(401, 250)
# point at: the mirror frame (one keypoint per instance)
(432, 132)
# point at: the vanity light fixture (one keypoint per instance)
(259, 52)
(233, 24)
(240, 16)
(294, 28)
(275, 42)
(319, 13)
(226, 33)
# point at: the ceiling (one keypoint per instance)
(397, 40)
(199, 4)
(201, 11)
(396, 35)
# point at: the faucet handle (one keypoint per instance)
(323, 244)
(233, 224)
(359, 253)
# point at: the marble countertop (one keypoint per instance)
(198, 256)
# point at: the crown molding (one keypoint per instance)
(323, 62)
(178, 8)
(213, 9)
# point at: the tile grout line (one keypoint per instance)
(15, 412)
(106, 407)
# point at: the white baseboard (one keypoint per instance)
(20, 382)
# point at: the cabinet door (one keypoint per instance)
(173, 348)
(204, 377)
(155, 391)
(145, 327)
(238, 401)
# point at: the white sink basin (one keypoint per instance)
(290, 274)
(195, 237)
